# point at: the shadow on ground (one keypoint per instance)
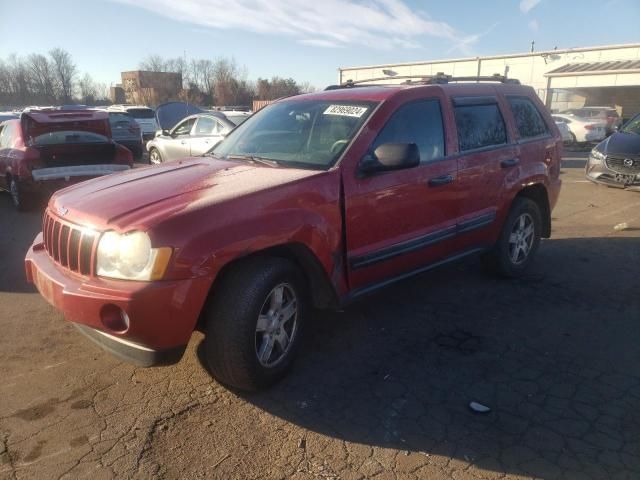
(399, 369)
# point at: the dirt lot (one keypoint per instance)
(381, 390)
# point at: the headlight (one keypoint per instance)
(596, 156)
(129, 256)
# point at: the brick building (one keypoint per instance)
(148, 88)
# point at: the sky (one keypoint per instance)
(305, 39)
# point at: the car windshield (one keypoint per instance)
(632, 126)
(309, 134)
(68, 136)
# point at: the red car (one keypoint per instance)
(45, 150)
(314, 201)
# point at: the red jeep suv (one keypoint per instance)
(314, 201)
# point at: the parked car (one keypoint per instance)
(235, 116)
(314, 201)
(583, 129)
(145, 117)
(607, 115)
(8, 116)
(126, 132)
(193, 136)
(563, 128)
(46, 150)
(616, 160)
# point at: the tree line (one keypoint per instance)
(54, 79)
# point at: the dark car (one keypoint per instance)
(314, 201)
(126, 132)
(616, 160)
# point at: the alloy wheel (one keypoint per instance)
(521, 238)
(277, 325)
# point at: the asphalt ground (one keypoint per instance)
(381, 390)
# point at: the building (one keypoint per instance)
(148, 88)
(568, 78)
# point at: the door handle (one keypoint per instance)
(512, 162)
(438, 181)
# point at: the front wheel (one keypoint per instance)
(254, 322)
(155, 157)
(518, 241)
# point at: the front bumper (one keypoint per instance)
(598, 172)
(161, 315)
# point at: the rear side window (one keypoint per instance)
(417, 122)
(141, 112)
(207, 126)
(528, 119)
(479, 125)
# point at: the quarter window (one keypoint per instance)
(417, 122)
(479, 126)
(528, 119)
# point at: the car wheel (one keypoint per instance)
(254, 322)
(573, 140)
(17, 195)
(154, 156)
(518, 241)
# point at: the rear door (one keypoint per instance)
(488, 155)
(206, 135)
(399, 221)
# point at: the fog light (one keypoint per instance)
(114, 318)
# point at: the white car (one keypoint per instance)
(583, 129)
(564, 131)
(144, 116)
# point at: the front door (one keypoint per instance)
(400, 221)
(178, 144)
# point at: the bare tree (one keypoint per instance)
(153, 63)
(88, 89)
(42, 78)
(65, 71)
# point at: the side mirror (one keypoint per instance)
(390, 156)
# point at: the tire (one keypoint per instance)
(155, 157)
(513, 253)
(240, 324)
(20, 202)
(574, 140)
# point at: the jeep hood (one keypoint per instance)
(621, 143)
(139, 197)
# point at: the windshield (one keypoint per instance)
(68, 136)
(633, 126)
(309, 134)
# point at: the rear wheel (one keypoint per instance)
(519, 240)
(154, 156)
(17, 194)
(254, 322)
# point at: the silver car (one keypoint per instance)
(193, 136)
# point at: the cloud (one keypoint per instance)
(533, 25)
(527, 5)
(382, 24)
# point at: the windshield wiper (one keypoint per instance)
(251, 158)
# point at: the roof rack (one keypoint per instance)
(438, 79)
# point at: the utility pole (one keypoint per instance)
(533, 42)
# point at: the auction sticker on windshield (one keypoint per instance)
(345, 110)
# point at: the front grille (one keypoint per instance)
(617, 164)
(68, 245)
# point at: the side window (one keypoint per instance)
(479, 125)
(528, 119)
(185, 127)
(5, 136)
(206, 126)
(416, 122)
